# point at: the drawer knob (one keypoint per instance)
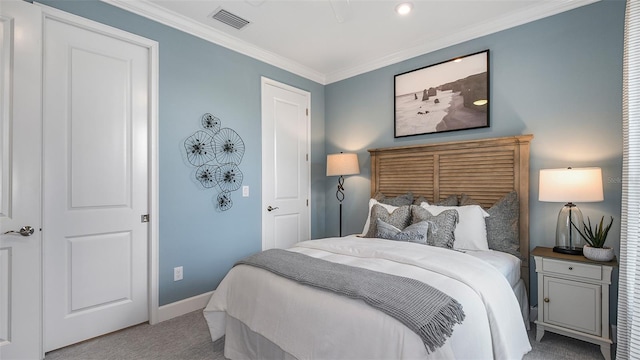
(570, 267)
(546, 300)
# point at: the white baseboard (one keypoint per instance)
(533, 313)
(175, 309)
(614, 333)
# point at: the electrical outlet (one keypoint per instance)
(177, 273)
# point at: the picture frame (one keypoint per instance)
(448, 96)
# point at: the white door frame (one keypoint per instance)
(152, 46)
(21, 108)
(263, 82)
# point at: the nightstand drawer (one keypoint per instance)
(571, 268)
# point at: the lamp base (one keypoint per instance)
(568, 239)
(567, 250)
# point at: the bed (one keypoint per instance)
(264, 315)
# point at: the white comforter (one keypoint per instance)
(310, 323)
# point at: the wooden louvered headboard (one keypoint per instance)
(485, 169)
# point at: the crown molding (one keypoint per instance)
(151, 11)
(522, 17)
(180, 22)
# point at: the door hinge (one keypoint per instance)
(307, 157)
(307, 111)
(307, 202)
(144, 218)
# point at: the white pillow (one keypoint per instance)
(471, 230)
(372, 202)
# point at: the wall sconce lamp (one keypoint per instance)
(568, 185)
(340, 165)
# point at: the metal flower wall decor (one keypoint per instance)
(216, 153)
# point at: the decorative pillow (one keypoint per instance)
(399, 218)
(441, 226)
(367, 222)
(471, 231)
(468, 200)
(503, 232)
(400, 200)
(419, 200)
(451, 200)
(413, 233)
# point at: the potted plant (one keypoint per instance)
(595, 239)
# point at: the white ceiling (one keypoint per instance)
(331, 40)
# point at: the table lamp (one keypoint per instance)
(569, 185)
(340, 165)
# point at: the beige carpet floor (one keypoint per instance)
(187, 338)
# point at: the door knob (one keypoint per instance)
(546, 300)
(24, 231)
(269, 208)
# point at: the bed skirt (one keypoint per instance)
(243, 343)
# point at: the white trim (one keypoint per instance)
(154, 188)
(533, 313)
(178, 308)
(177, 21)
(614, 333)
(157, 13)
(307, 94)
(522, 17)
(152, 46)
(6, 115)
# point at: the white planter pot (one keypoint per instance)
(598, 254)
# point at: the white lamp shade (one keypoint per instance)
(342, 164)
(571, 185)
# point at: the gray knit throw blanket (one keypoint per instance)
(427, 311)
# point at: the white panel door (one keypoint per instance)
(285, 165)
(20, 163)
(96, 115)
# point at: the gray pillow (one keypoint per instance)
(413, 233)
(399, 218)
(400, 200)
(441, 226)
(503, 231)
(419, 200)
(451, 200)
(468, 200)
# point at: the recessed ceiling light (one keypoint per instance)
(404, 8)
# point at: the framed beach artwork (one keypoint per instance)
(448, 96)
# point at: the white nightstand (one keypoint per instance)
(573, 297)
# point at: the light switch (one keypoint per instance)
(245, 191)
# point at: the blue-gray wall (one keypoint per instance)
(197, 77)
(558, 78)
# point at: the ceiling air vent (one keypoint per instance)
(230, 19)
